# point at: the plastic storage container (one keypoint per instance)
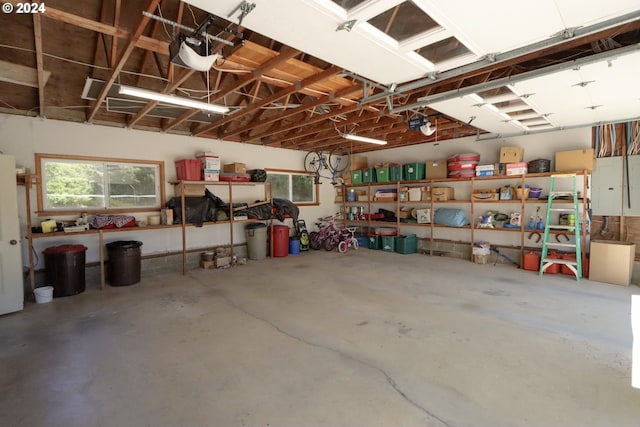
(65, 269)
(382, 175)
(406, 244)
(124, 262)
(256, 235)
(368, 175)
(532, 261)
(280, 240)
(356, 177)
(189, 170)
(414, 171)
(396, 173)
(375, 242)
(388, 243)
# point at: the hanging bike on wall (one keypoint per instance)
(330, 165)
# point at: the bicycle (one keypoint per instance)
(327, 234)
(336, 162)
(348, 239)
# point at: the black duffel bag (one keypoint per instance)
(257, 175)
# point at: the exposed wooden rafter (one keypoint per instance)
(122, 61)
(37, 32)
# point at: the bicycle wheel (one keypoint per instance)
(339, 159)
(314, 240)
(312, 162)
(342, 247)
(355, 244)
(330, 243)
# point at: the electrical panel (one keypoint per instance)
(607, 186)
(633, 194)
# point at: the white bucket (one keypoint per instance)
(43, 294)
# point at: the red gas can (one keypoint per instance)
(531, 261)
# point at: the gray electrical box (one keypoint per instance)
(606, 186)
(633, 208)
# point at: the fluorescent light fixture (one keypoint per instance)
(170, 99)
(364, 139)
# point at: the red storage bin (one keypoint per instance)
(189, 170)
(553, 268)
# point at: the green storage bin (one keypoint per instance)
(368, 175)
(395, 173)
(375, 242)
(406, 244)
(414, 171)
(382, 175)
(356, 177)
(388, 243)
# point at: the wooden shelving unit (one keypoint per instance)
(28, 181)
(473, 207)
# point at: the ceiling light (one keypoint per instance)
(364, 139)
(170, 99)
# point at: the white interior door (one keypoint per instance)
(11, 281)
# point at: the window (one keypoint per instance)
(299, 187)
(77, 184)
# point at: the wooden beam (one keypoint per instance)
(37, 30)
(142, 42)
(21, 75)
(301, 109)
(284, 55)
(331, 71)
(122, 60)
(114, 40)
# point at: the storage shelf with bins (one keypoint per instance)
(471, 206)
(180, 187)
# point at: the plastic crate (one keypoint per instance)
(189, 170)
(363, 242)
(382, 175)
(388, 243)
(414, 171)
(375, 242)
(406, 244)
(368, 175)
(396, 173)
(356, 177)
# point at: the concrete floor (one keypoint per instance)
(323, 339)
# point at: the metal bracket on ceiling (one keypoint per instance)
(186, 28)
(347, 25)
(245, 8)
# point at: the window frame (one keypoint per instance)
(41, 157)
(291, 172)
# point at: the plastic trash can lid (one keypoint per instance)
(63, 249)
(255, 225)
(125, 244)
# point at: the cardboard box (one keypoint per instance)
(222, 261)
(436, 169)
(519, 168)
(481, 259)
(415, 194)
(511, 154)
(485, 170)
(208, 160)
(575, 160)
(207, 264)
(485, 195)
(442, 194)
(359, 162)
(189, 190)
(166, 216)
(611, 262)
(235, 168)
(210, 175)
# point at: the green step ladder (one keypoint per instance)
(545, 261)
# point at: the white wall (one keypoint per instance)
(22, 137)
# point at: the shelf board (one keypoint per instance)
(173, 182)
(464, 227)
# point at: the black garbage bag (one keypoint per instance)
(257, 175)
(197, 209)
(283, 207)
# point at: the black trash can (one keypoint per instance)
(124, 262)
(64, 267)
